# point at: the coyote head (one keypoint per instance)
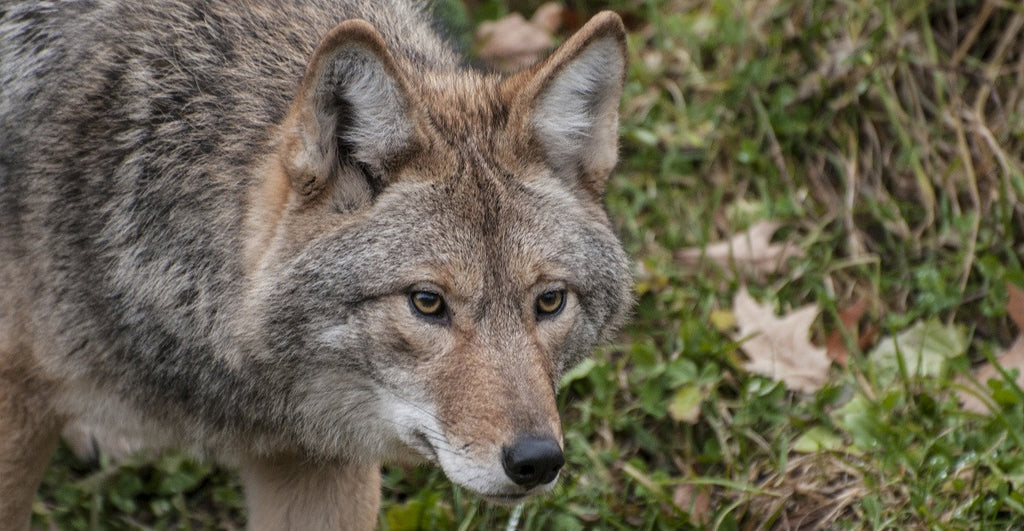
(432, 253)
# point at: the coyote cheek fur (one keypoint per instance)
(298, 238)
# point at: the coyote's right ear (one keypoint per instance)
(572, 102)
(352, 120)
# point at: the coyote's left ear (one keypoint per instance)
(353, 120)
(573, 100)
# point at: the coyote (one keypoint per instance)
(299, 238)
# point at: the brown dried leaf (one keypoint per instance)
(751, 252)
(694, 501)
(1013, 358)
(849, 320)
(1015, 305)
(513, 43)
(780, 348)
(548, 17)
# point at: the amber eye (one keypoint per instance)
(550, 302)
(427, 303)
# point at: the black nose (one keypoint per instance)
(532, 461)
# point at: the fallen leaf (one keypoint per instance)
(751, 252)
(548, 17)
(924, 350)
(860, 421)
(817, 439)
(1015, 305)
(1013, 358)
(512, 43)
(722, 320)
(780, 348)
(649, 278)
(685, 405)
(694, 501)
(849, 322)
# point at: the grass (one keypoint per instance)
(887, 137)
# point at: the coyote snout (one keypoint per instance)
(302, 238)
(488, 414)
(532, 461)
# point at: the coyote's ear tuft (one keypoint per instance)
(352, 121)
(573, 102)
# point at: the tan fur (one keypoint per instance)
(288, 492)
(266, 207)
(474, 417)
(29, 430)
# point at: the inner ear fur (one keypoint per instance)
(352, 121)
(570, 102)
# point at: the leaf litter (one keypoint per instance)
(512, 43)
(849, 325)
(924, 350)
(750, 252)
(977, 396)
(780, 347)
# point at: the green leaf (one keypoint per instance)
(681, 372)
(178, 482)
(924, 349)
(566, 522)
(228, 496)
(685, 405)
(859, 420)
(652, 398)
(68, 494)
(644, 137)
(1015, 472)
(405, 517)
(124, 492)
(578, 372)
(817, 439)
(423, 512)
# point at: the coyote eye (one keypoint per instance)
(550, 302)
(427, 303)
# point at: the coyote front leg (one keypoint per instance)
(28, 435)
(288, 492)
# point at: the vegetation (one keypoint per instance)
(886, 137)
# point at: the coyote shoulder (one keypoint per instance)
(299, 238)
